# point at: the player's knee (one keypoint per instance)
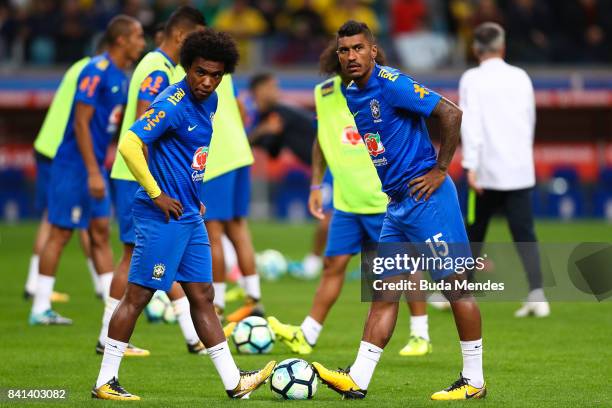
(334, 266)
(100, 235)
(59, 236)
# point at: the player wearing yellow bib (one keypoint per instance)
(359, 210)
(45, 146)
(152, 75)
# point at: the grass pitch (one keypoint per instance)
(563, 360)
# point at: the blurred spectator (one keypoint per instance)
(487, 11)
(306, 33)
(270, 11)
(529, 26)
(586, 28)
(73, 35)
(241, 20)
(8, 30)
(344, 10)
(273, 125)
(418, 47)
(40, 31)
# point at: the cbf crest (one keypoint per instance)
(375, 109)
(158, 271)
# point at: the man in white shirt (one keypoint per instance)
(498, 106)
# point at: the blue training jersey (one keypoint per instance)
(155, 82)
(177, 129)
(102, 85)
(390, 114)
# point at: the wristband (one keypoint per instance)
(314, 187)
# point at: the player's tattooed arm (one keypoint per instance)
(82, 116)
(315, 200)
(449, 115)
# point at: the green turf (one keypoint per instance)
(564, 360)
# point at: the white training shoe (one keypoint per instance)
(438, 301)
(537, 309)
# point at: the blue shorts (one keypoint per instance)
(227, 197)
(70, 205)
(327, 189)
(123, 199)
(168, 252)
(43, 179)
(348, 231)
(438, 220)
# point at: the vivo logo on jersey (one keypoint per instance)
(387, 75)
(350, 135)
(176, 97)
(152, 121)
(198, 163)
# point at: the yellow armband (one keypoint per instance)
(130, 148)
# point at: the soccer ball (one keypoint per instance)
(160, 309)
(294, 379)
(271, 264)
(252, 335)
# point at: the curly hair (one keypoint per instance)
(210, 45)
(330, 65)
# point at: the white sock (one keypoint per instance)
(94, 276)
(225, 365)
(30, 285)
(311, 329)
(472, 362)
(419, 326)
(42, 295)
(241, 282)
(251, 286)
(183, 316)
(109, 307)
(113, 353)
(536, 295)
(105, 280)
(312, 264)
(219, 300)
(363, 368)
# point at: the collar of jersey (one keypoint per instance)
(166, 56)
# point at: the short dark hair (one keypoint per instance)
(119, 26)
(352, 27)
(210, 45)
(329, 63)
(259, 79)
(184, 16)
(489, 37)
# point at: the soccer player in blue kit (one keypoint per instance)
(390, 109)
(171, 239)
(78, 195)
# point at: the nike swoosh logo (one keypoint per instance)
(374, 351)
(469, 396)
(355, 114)
(190, 128)
(477, 347)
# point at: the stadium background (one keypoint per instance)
(564, 45)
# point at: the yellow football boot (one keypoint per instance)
(339, 381)
(112, 390)
(250, 381)
(417, 346)
(460, 390)
(229, 329)
(291, 336)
